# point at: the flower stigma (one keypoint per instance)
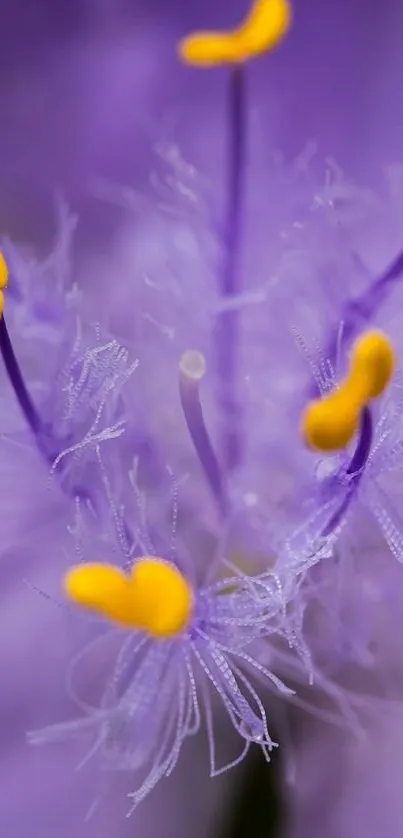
(192, 369)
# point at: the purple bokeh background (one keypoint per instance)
(84, 86)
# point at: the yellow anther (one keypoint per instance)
(373, 362)
(265, 26)
(3, 272)
(155, 598)
(329, 424)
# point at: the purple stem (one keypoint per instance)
(227, 326)
(17, 382)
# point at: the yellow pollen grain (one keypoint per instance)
(330, 423)
(261, 31)
(154, 598)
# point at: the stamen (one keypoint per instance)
(265, 26)
(155, 598)
(11, 364)
(192, 369)
(330, 423)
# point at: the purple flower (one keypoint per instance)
(210, 310)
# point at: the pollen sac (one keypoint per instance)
(329, 424)
(373, 363)
(3, 272)
(265, 26)
(154, 598)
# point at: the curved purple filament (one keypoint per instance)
(17, 381)
(354, 470)
(358, 312)
(363, 447)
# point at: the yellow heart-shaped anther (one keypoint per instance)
(154, 598)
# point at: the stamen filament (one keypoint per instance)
(192, 368)
(227, 325)
(355, 469)
(46, 445)
(17, 381)
(263, 28)
(364, 444)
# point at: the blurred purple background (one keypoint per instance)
(84, 85)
